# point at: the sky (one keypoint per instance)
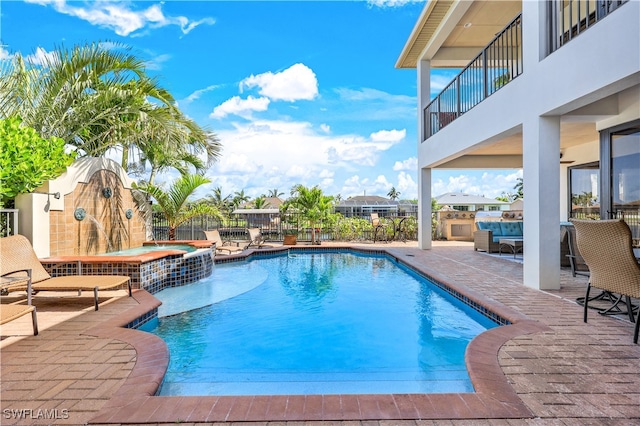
(298, 92)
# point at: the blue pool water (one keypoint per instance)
(324, 323)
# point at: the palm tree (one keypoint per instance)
(260, 203)
(239, 197)
(218, 200)
(312, 204)
(393, 194)
(275, 193)
(519, 187)
(98, 98)
(174, 202)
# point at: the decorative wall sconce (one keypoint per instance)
(79, 214)
(107, 192)
(56, 195)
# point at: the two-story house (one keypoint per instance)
(552, 87)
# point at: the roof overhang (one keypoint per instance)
(450, 33)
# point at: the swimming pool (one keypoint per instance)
(321, 323)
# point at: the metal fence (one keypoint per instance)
(630, 216)
(8, 222)
(274, 225)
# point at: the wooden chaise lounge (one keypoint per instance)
(17, 258)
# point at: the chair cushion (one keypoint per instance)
(511, 229)
(490, 226)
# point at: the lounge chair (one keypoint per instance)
(220, 245)
(17, 257)
(256, 238)
(9, 312)
(606, 246)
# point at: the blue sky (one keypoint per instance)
(297, 91)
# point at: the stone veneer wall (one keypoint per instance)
(72, 237)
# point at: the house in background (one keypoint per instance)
(552, 87)
(364, 205)
(467, 202)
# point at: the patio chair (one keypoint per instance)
(220, 245)
(10, 312)
(378, 226)
(576, 262)
(256, 238)
(606, 246)
(17, 257)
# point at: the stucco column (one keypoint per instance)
(424, 209)
(34, 221)
(423, 69)
(541, 178)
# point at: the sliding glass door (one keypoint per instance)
(623, 175)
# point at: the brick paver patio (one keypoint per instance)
(549, 369)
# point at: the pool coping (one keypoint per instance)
(494, 397)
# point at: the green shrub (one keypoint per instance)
(27, 160)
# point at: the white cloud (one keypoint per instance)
(389, 135)
(391, 3)
(157, 61)
(295, 83)
(407, 187)
(42, 57)
(325, 128)
(4, 54)
(408, 164)
(240, 107)
(196, 95)
(290, 152)
(120, 17)
(368, 94)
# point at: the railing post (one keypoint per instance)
(485, 74)
(458, 108)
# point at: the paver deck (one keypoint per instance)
(550, 368)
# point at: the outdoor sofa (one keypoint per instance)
(487, 237)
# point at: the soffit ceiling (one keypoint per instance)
(571, 134)
(483, 20)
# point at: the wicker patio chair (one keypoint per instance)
(606, 247)
(17, 256)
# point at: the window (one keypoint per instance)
(584, 182)
(461, 208)
(625, 171)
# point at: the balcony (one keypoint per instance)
(570, 18)
(495, 66)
